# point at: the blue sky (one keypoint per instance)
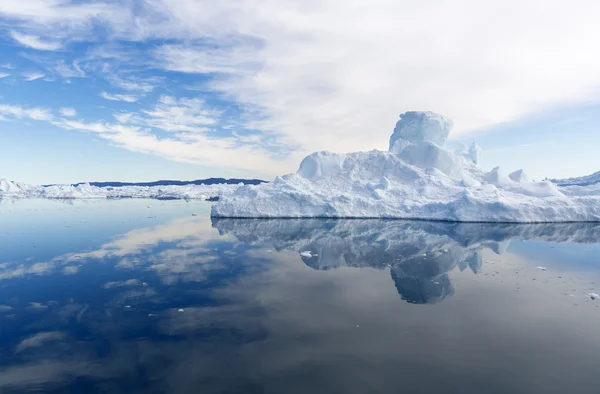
(184, 89)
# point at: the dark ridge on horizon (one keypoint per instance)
(208, 181)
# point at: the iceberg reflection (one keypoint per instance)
(419, 254)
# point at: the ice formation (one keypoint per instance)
(417, 178)
(15, 190)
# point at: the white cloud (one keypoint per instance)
(139, 86)
(35, 42)
(69, 70)
(188, 123)
(33, 76)
(336, 75)
(3, 75)
(129, 98)
(69, 112)
(19, 112)
(7, 65)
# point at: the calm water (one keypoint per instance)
(152, 296)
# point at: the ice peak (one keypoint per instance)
(417, 126)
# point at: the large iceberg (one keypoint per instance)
(417, 178)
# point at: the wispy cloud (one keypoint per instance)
(33, 76)
(69, 70)
(129, 98)
(66, 111)
(138, 86)
(20, 112)
(7, 66)
(190, 138)
(3, 75)
(35, 42)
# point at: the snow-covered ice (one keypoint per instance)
(14, 190)
(417, 178)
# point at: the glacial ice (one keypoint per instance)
(418, 178)
(16, 190)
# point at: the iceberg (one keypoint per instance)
(417, 178)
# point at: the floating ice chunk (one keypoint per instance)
(306, 253)
(594, 296)
(180, 310)
(417, 126)
(542, 268)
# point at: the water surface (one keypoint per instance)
(133, 296)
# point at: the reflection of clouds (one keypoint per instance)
(182, 245)
(273, 322)
(39, 339)
(129, 282)
(420, 254)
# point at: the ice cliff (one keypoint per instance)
(417, 178)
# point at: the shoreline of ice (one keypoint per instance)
(85, 191)
(417, 179)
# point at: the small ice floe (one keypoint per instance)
(151, 314)
(180, 310)
(445, 250)
(269, 251)
(306, 253)
(127, 306)
(542, 268)
(424, 254)
(194, 214)
(594, 296)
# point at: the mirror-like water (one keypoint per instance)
(132, 296)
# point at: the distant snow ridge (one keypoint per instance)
(418, 178)
(592, 179)
(16, 190)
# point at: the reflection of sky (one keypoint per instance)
(42, 229)
(259, 317)
(570, 256)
